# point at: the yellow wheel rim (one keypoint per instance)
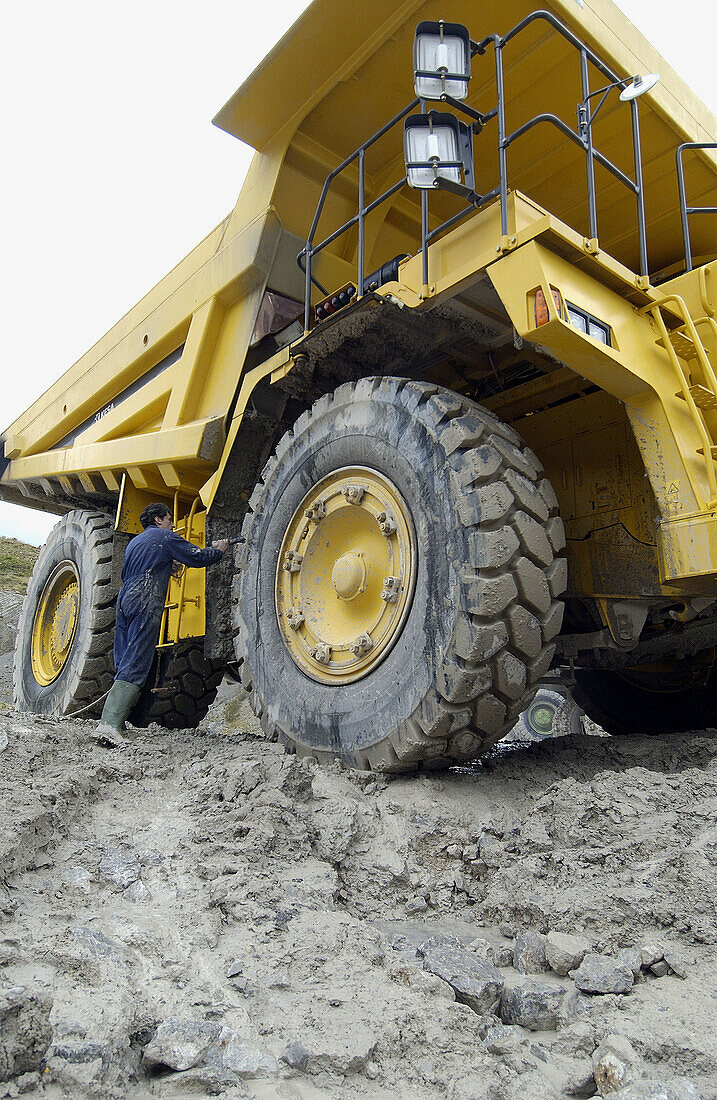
(55, 623)
(345, 575)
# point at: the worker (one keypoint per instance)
(149, 560)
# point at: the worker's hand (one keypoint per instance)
(221, 544)
(177, 568)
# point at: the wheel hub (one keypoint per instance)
(345, 575)
(55, 623)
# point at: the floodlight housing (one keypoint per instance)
(436, 148)
(638, 86)
(441, 60)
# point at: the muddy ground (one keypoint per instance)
(201, 915)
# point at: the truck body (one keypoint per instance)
(564, 280)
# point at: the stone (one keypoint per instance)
(532, 1004)
(679, 960)
(233, 1053)
(504, 1039)
(680, 1088)
(651, 951)
(600, 974)
(119, 866)
(236, 967)
(180, 1044)
(483, 949)
(416, 905)
(630, 957)
(529, 955)
(295, 1055)
(475, 981)
(25, 1031)
(137, 892)
(565, 952)
(372, 1071)
(615, 1064)
(580, 1082)
(660, 969)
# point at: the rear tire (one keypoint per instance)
(184, 690)
(63, 650)
(489, 571)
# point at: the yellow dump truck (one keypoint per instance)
(447, 370)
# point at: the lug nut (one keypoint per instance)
(391, 589)
(294, 618)
(354, 493)
(322, 653)
(292, 561)
(361, 645)
(386, 523)
(316, 512)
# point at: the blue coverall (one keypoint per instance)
(145, 576)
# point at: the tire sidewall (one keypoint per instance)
(355, 716)
(68, 542)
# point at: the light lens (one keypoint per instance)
(431, 148)
(441, 60)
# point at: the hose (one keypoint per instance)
(82, 710)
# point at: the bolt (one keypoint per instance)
(294, 618)
(292, 561)
(322, 653)
(316, 512)
(361, 645)
(386, 523)
(391, 588)
(354, 493)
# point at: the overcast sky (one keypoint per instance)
(112, 170)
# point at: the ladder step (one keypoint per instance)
(683, 344)
(703, 398)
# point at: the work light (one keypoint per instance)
(441, 60)
(435, 147)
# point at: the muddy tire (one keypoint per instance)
(63, 651)
(550, 714)
(621, 706)
(485, 608)
(180, 695)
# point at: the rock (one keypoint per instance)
(475, 981)
(529, 955)
(77, 877)
(651, 951)
(180, 1044)
(119, 866)
(372, 1071)
(295, 1055)
(578, 1038)
(600, 974)
(679, 1089)
(659, 969)
(615, 1064)
(581, 1082)
(82, 1065)
(416, 905)
(235, 968)
(504, 1039)
(630, 957)
(96, 943)
(233, 1053)
(137, 892)
(532, 1004)
(564, 952)
(483, 949)
(503, 955)
(28, 1082)
(679, 961)
(25, 1031)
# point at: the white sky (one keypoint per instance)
(112, 170)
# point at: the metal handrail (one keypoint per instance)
(584, 140)
(686, 210)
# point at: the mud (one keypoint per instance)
(200, 914)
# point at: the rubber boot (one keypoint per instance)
(122, 697)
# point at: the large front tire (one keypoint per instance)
(63, 650)
(477, 530)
